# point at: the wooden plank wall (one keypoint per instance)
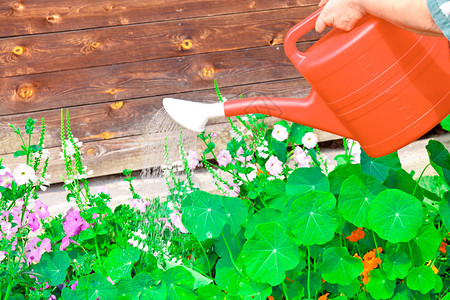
(112, 62)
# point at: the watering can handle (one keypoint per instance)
(295, 33)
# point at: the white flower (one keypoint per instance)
(309, 140)
(24, 173)
(263, 151)
(224, 158)
(280, 133)
(274, 166)
(249, 176)
(145, 248)
(301, 158)
(135, 243)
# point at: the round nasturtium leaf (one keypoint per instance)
(355, 197)
(421, 279)
(304, 180)
(53, 266)
(379, 286)
(144, 286)
(313, 218)
(396, 264)
(95, 286)
(227, 277)
(269, 254)
(120, 262)
(339, 267)
(425, 244)
(180, 283)
(265, 215)
(236, 212)
(203, 215)
(395, 216)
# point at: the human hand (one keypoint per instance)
(341, 14)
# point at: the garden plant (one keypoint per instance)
(282, 224)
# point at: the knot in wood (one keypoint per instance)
(25, 92)
(53, 18)
(186, 44)
(18, 50)
(95, 45)
(105, 135)
(114, 91)
(17, 6)
(91, 152)
(207, 72)
(117, 105)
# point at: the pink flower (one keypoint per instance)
(41, 209)
(140, 204)
(110, 280)
(8, 231)
(52, 297)
(17, 213)
(251, 175)
(6, 177)
(167, 224)
(74, 224)
(3, 255)
(232, 189)
(274, 166)
(34, 252)
(23, 174)
(280, 133)
(301, 158)
(175, 218)
(223, 158)
(74, 285)
(192, 159)
(64, 243)
(33, 222)
(102, 189)
(309, 140)
(240, 156)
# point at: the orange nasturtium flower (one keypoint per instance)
(442, 247)
(356, 235)
(324, 297)
(370, 262)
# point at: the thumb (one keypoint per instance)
(322, 3)
(320, 24)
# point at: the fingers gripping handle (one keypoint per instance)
(296, 32)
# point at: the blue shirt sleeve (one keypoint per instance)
(440, 11)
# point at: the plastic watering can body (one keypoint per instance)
(378, 84)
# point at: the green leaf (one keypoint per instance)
(350, 290)
(297, 133)
(425, 245)
(439, 158)
(421, 279)
(339, 267)
(120, 262)
(444, 211)
(236, 213)
(305, 180)
(379, 167)
(296, 291)
(35, 148)
(395, 216)
(445, 124)
(124, 288)
(54, 266)
(145, 287)
(269, 254)
(95, 286)
(396, 264)
(211, 291)
(340, 173)
(265, 215)
(402, 180)
(313, 218)
(357, 193)
(203, 215)
(19, 153)
(180, 283)
(227, 277)
(274, 194)
(379, 286)
(255, 290)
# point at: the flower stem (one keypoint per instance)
(309, 273)
(376, 245)
(285, 290)
(231, 256)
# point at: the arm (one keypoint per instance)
(412, 15)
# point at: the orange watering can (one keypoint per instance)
(377, 84)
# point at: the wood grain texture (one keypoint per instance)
(144, 79)
(44, 16)
(125, 44)
(111, 120)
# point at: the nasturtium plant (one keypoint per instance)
(179, 282)
(146, 286)
(355, 197)
(379, 167)
(313, 218)
(120, 262)
(425, 244)
(379, 286)
(53, 266)
(269, 253)
(305, 180)
(339, 267)
(395, 216)
(396, 264)
(421, 279)
(265, 215)
(440, 159)
(204, 216)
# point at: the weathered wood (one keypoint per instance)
(23, 94)
(104, 121)
(124, 44)
(43, 16)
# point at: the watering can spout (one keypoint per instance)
(310, 111)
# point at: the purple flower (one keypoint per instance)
(192, 159)
(41, 209)
(64, 243)
(74, 223)
(33, 252)
(6, 177)
(74, 285)
(52, 297)
(274, 166)
(175, 218)
(33, 222)
(224, 158)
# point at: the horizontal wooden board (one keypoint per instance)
(43, 16)
(111, 120)
(26, 94)
(125, 44)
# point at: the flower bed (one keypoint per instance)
(281, 225)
